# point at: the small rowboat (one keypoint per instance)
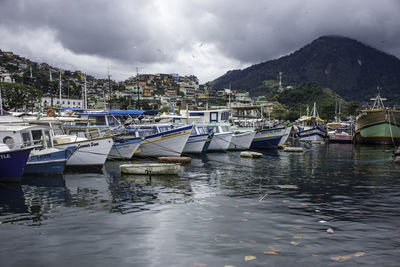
(151, 168)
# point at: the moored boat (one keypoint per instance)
(379, 124)
(222, 136)
(267, 138)
(12, 163)
(311, 127)
(340, 132)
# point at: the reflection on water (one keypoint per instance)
(221, 208)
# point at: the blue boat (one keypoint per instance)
(43, 157)
(12, 164)
(267, 138)
(48, 161)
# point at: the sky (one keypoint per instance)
(205, 38)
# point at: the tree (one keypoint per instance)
(17, 95)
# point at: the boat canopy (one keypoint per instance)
(131, 112)
(310, 118)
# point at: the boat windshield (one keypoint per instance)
(26, 139)
(200, 130)
(214, 129)
(37, 136)
(47, 138)
(145, 131)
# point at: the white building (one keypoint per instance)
(6, 78)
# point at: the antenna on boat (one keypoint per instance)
(85, 95)
(378, 100)
(51, 88)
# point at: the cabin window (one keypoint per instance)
(164, 128)
(26, 139)
(112, 121)
(37, 136)
(57, 129)
(9, 141)
(100, 120)
(47, 138)
(214, 129)
(224, 116)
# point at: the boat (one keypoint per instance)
(92, 149)
(12, 163)
(340, 132)
(44, 158)
(160, 139)
(286, 135)
(311, 127)
(222, 136)
(241, 140)
(151, 168)
(267, 138)
(378, 124)
(197, 140)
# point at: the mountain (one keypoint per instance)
(348, 67)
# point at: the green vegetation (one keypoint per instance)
(16, 95)
(291, 103)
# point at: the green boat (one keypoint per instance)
(378, 125)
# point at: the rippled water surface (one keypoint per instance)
(222, 210)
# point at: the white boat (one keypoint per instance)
(241, 140)
(160, 139)
(197, 140)
(222, 136)
(150, 168)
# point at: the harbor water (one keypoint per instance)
(333, 205)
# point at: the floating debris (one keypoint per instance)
(330, 231)
(250, 154)
(348, 257)
(287, 186)
(271, 253)
(293, 149)
(250, 258)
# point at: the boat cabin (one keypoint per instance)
(22, 136)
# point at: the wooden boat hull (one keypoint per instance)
(380, 126)
(151, 168)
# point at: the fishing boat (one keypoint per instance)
(197, 139)
(241, 140)
(92, 149)
(379, 124)
(44, 158)
(151, 168)
(267, 138)
(222, 136)
(12, 163)
(160, 139)
(340, 132)
(311, 127)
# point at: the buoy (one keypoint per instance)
(293, 149)
(281, 146)
(317, 142)
(250, 154)
(330, 231)
(51, 112)
(182, 160)
(150, 168)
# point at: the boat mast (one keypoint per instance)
(51, 88)
(60, 85)
(378, 104)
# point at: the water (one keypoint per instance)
(221, 211)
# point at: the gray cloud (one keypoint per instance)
(204, 38)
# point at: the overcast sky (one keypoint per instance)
(205, 38)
